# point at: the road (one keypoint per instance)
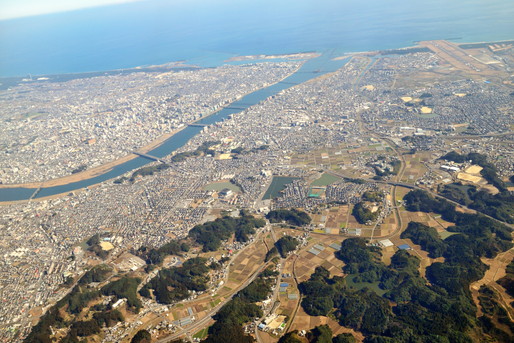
(295, 278)
(199, 324)
(407, 185)
(479, 136)
(275, 291)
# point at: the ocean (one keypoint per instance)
(207, 32)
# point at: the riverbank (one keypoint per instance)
(95, 171)
(106, 167)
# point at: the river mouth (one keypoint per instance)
(311, 69)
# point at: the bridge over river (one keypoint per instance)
(310, 69)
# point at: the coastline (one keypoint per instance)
(292, 56)
(12, 81)
(106, 167)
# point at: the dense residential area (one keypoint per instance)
(373, 204)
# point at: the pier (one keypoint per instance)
(198, 125)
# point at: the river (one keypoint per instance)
(311, 69)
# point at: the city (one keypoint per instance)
(365, 134)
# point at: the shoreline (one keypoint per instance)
(99, 170)
(292, 56)
(150, 67)
(178, 64)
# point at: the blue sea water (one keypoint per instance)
(206, 32)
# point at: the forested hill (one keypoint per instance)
(399, 305)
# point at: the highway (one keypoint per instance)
(490, 135)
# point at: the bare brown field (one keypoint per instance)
(337, 217)
(338, 329)
(304, 266)
(246, 263)
(400, 193)
(387, 253)
(495, 272)
(388, 227)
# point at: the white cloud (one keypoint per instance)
(10, 9)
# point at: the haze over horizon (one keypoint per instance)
(14, 9)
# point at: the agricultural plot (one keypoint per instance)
(337, 217)
(414, 167)
(246, 263)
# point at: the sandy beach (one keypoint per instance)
(301, 55)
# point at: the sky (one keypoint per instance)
(10, 9)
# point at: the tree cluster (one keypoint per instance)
(142, 336)
(42, 331)
(363, 214)
(204, 148)
(257, 291)
(372, 196)
(292, 217)
(493, 313)
(126, 287)
(93, 326)
(156, 256)
(211, 234)
(74, 303)
(320, 334)
(98, 273)
(507, 281)
(499, 206)
(285, 245)
(150, 170)
(175, 283)
(442, 311)
(271, 253)
(427, 237)
(241, 309)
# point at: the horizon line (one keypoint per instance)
(16, 15)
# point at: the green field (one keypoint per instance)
(325, 180)
(201, 334)
(215, 302)
(445, 234)
(360, 285)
